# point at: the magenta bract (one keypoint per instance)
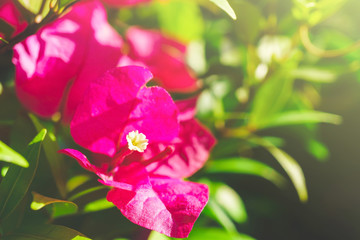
(147, 187)
(124, 3)
(170, 207)
(118, 103)
(12, 17)
(165, 57)
(55, 65)
(191, 147)
(167, 205)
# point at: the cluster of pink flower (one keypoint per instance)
(148, 143)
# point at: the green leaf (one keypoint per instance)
(65, 2)
(246, 166)
(36, 7)
(181, 19)
(80, 238)
(214, 210)
(230, 201)
(314, 74)
(158, 236)
(216, 234)
(17, 180)
(249, 21)
(14, 220)
(278, 142)
(98, 205)
(59, 207)
(291, 167)
(299, 117)
(317, 149)
(76, 181)
(224, 5)
(271, 98)
(224, 205)
(3, 40)
(7, 154)
(45, 232)
(55, 160)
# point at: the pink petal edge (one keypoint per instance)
(171, 207)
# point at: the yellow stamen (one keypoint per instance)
(137, 141)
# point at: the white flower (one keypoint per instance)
(137, 141)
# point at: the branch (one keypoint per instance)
(305, 39)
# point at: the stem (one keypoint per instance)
(87, 191)
(305, 39)
(166, 152)
(3, 40)
(31, 29)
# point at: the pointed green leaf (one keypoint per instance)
(216, 234)
(246, 166)
(224, 5)
(291, 167)
(230, 201)
(271, 98)
(17, 180)
(7, 154)
(55, 160)
(98, 205)
(45, 232)
(299, 117)
(157, 236)
(314, 74)
(216, 212)
(59, 207)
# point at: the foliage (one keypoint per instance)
(260, 72)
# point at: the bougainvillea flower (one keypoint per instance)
(191, 147)
(122, 3)
(167, 205)
(14, 21)
(119, 102)
(121, 118)
(164, 56)
(54, 66)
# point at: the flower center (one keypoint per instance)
(137, 141)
